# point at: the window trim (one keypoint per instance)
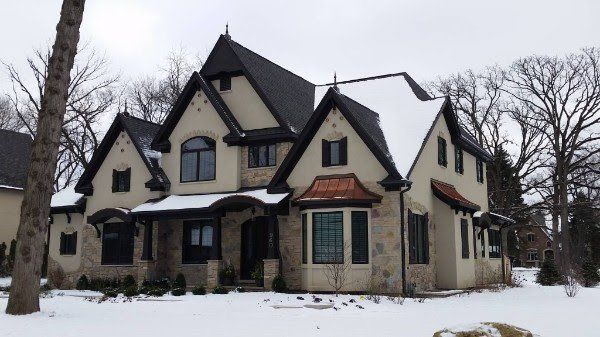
(442, 152)
(313, 230)
(459, 165)
(268, 148)
(533, 251)
(479, 170)
(68, 243)
(532, 236)
(123, 176)
(182, 152)
(418, 230)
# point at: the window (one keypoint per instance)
(458, 160)
(530, 237)
(442, 154)
(68, 243)
(262, 156)
(197, 241)
(335, 152)
(117, 243)
(418, 238)
(360, 237)
(494, 242)
(532, 255)
(304, 240)
(464, 237)
(198, 159)
(225, 83)
(479, 169)
(328, 237)
(483, 248)
(121, 180)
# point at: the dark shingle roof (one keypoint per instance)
(14, 158)
(291, 96)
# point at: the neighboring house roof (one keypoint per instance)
(338, 188)
(289, 97)
(449, 195)
(66, 201)
(195, 83)
(141, 133)
(362, 120)
(14, 159)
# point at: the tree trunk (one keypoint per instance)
(35, 209)
(555, 230)
(565, 235)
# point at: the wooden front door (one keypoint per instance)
(254, 245)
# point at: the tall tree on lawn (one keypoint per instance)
(35, 209)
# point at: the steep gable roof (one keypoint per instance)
(142, 133)
(14, 158)
(289, 97)
(195, 83)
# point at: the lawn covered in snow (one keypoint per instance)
(546, 311)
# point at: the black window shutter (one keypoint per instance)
(304, 239)
(326, 150)
(62, 243)
(74, 243)
(115, 181)
(127, 179)
(360, 237)
(412, 245)
(464, 235)
(344, 151)
(426, 237)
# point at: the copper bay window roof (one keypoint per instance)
(336, 190)
(448, 194)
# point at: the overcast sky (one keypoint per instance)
(315, 38)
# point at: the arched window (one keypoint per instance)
(198, 159)
(207, 236)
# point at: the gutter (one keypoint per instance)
(402, 235)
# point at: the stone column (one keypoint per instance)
(272, 237)
(271, 269)
(212, 273)
(147, 245)
(145, 271)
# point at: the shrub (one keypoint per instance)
(82, 283)
(143, 290)
(589, 273)
(199, 290)
(110, 292)
(57, 277)
(158, 292)
(227, 275)
(98, 284)
(131, 291)
(115, 283)
(163, 283)
(278, 285)
(129, 281)
(548, 274)
(179, 281)
(240, 290)
(45, 288)
(220, 290)
(178, 291)
(571, 286)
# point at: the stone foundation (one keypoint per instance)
(212, 274)
(271, 269)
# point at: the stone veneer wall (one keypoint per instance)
(261, 176)
(486, 273)
(422, 275)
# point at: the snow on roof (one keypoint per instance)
(7, 187)
(505, 218)
(66, 197)
(404, 119)
(179, 202)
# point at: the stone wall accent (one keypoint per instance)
(290, 246)
(271, 269)
(212, 274)
(261, 176)
(422, 275)
(487, 272)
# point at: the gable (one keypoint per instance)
(246, 105)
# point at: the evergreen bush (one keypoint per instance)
(590, 277)
(199, 290)
(110, 292)
(83, 283)
(178, 291)
(129, 281)
(179, 281)
(278, 285)
(158, 292)
(220, 290)
(549, 274)
(131, 291)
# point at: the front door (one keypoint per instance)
(254, 245)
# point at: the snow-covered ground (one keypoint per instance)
(546, 311)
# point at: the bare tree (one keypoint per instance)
(91, 95)
(563, 100)
(8, 116)
(153, 97)
(337, 268)
(35, 209)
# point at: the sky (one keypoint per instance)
(314, 39)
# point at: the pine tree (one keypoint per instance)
(549, 274)
(590, 277)
(504, 186)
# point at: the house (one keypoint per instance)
(14, 161)
(535, 242)
(246, 171)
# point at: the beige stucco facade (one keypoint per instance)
(10, 212)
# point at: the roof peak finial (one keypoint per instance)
(335, 81)
(126, 112)
(227, 31)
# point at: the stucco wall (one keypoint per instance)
(246, 105)
(201, 119)
(69, 263)
(10, 212)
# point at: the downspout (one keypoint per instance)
(402, 236)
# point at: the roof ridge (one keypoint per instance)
(17, 132)
(266, 59)
(139, 119)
